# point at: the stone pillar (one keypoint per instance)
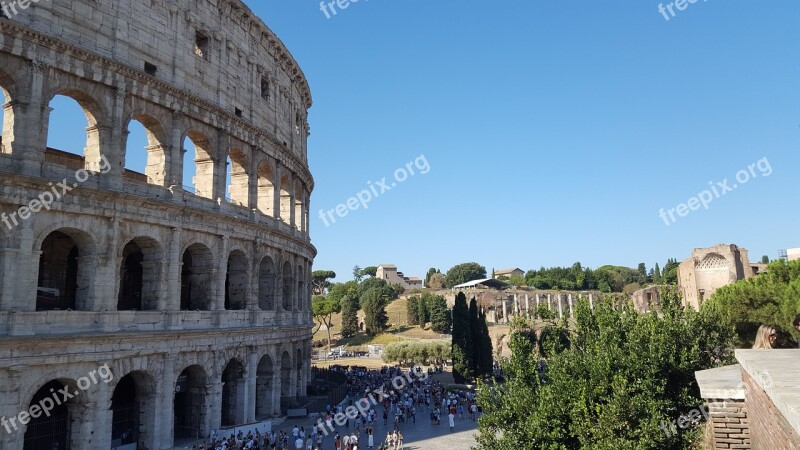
(174, 163)
(560, 306)
(26, 270)
(163, 398)
(505, 311)
(28, 121)
(276, 191)
(527, 307)
(8, 272)
(571, 312)
(172, 301)
(220, 158)
(591, 301)
(221, 273)
(102, 416)
(252, 392)
(114, 152)
(277, 389)
(549, 302)
(213, 407)
(538, 300)
(85, 430)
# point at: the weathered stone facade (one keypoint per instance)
(709, 269)
(199, 304)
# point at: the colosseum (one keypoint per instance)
(142, 309)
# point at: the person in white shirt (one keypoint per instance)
(298, 444)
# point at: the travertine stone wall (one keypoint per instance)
(202, 70)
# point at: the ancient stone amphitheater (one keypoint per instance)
(194, 292)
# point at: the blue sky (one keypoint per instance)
(554, 131)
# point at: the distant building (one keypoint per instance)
(509, 273)
(389, 273)
(793, 254)
(709, 269)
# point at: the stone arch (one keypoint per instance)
(233, 393)
(236, 281)
(97, 130)
(156, 149)
(266, 189)
(267, 278)
(265, 400)
(202, 162)
(133, 406)
(288, 286)
(299, 207)
(190, 403)
(239, 187)
(45, 430)
(8, 91)
(67, 266)
(142, 261)
(286, 199)
(196, 278)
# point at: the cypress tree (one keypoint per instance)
(349, 316)
(485, 353)
(475, 336)
(462, 341)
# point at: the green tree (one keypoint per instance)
(462, 341)
(374, 302)
(464, 272)
(319, 280)
(475, 335)
(670, 273)
(622, 380)
(482, 342)
(765, 259)
(412, 310)
(657, 275)
(428, 276)
(772, 298)
(439, 313)
(357, 275)
(371, 271)
(642, 269)
(323, 310)
(350, 307)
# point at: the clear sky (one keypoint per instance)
(554, 131)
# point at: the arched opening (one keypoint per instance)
(65, 271)
(198, 165)
(236, 282)
(139, 276)
(266, 189)
(189, 405)
(145, 158)
(6, 112)
(233, 391)
(286, 200)
(286, 379)
(288, 286)
(73, 137)
(266, 284)
(132, 406)
(299, 204)
(237, 179)
(54, 430)
(264, 388)
(196, 279)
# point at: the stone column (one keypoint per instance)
(560, 306)
(213, 405)
(221, 273)
(27, 119)
(277, 389)
(527, 307)
(8, 258)
(252, 392)
(569, 299)
(549, 302)
(591, 301)
(163, 422)
(102, 416)
(276, 208)
(174, 163)
(505, 310)
(26, 270)
(172, 282)
(114, 152)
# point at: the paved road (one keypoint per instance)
(419, 436)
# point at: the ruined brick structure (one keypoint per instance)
(199, 302)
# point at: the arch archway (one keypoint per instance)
(45, 431)
(132, 405)
(189, 404)
(73, 110)
(196, 279)
(233, 391)
(139, 276)
(299, 208)
(266, 189)
(236, 282)
(238, 180)
(145, 150)
(198, 164)
(286, 200)
(6, 113)
(66, 271)
(266, 284)
(264, 388)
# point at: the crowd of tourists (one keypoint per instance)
(390, 399)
